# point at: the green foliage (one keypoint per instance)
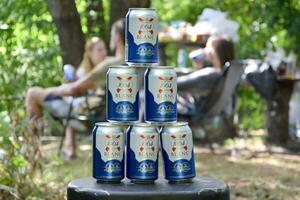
(30, 56)
(21, 167)
(99, 30)
(30, 53)
(29, 49)
(251, 109)
(261, 22)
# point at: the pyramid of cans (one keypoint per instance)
(125, 146)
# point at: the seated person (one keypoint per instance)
(217, 52)
(95, 53)
(38, 98)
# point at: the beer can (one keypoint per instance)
(108, 152)
(69, 72)
(141, 36)
(122, 104)
(182, 58)
(142, 153)
(178, 153)
(160, 94)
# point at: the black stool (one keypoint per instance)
(202, 188)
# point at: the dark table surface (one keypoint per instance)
(202, 188)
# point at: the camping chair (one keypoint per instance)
(91, 116)
(224, 89)
(220, 95)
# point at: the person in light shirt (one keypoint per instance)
(38, 99)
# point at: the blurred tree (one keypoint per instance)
(119, 8)
(67, 21)
(28, 51)
(30, 46)
(262, 22)
(96, 24)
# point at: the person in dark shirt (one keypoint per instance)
(197, 85)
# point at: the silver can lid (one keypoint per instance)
(119, 66)
(176, 124)
(142, 124)
(107, 124)
(162, 67)
(142, 9)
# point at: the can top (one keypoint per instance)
(142, 124)
(142, 9)
(119, 66)
(162, 67)
(106, 124)
(122, 123)
(176, 124)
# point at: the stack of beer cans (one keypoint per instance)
(123, 144)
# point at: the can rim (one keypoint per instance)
(122, 123)
(120, 66)
(177, 124)
(107, 124)
(142, 9)
(162, 67)
(142, 124)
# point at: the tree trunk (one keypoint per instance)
(95, 19)
(277, 116)
(66, 18)
(119, 8)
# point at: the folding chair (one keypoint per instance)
(221, 94)
(92, 116)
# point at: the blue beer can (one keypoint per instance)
(160, 94)
(122, 104)
(142, 153)
(108, 152)
(178, 153)
(141, 36)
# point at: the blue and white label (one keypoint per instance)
(141, 38)
(123, 87)
(181, 167)
(110, 146)
(163, 88)
(142, 155)
(144, 29)
(111, 167)
(178, 146)
(122, 103)
(108, 154)
(161, 94)
(178, 155)
(144, 145)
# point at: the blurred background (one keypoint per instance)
(35, 44)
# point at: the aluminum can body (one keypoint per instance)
(122, 104)
(160, 95)
(108, 152)
(177, 151)
(69, 72)
(141, 36)
(142, 153)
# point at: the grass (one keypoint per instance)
(250, 171)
